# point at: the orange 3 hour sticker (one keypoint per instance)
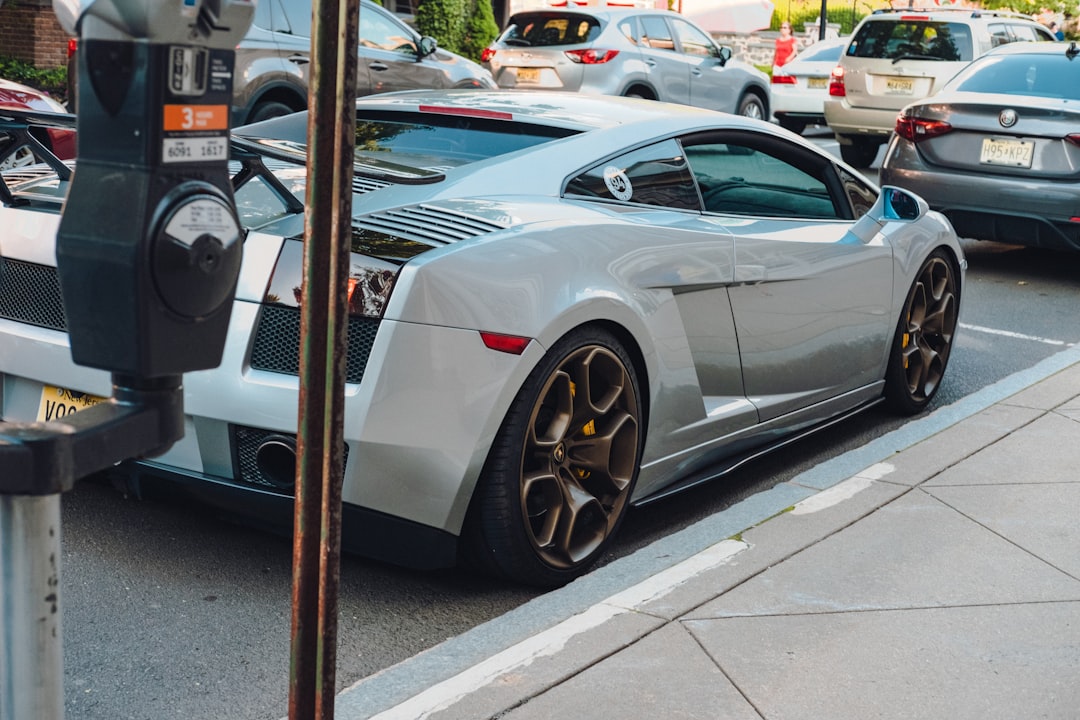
(193, 118)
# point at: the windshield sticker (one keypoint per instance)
(618, 183)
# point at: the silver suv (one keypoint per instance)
(898, 56)
(273, 60)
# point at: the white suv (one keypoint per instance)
(898, 56)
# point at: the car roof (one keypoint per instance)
(599, 12)
(938, 14)
(1035, 48)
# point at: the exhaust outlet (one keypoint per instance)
(276, 460)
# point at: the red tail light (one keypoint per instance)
(836, 82)
(511, 344)
(1074, 138)
(914, 129)
(591, 56)
(486, 54)
(783, 80)
(73, 45)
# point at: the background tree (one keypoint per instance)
(462, 26)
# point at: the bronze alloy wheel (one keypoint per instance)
(924, 336)
(579, 455)
(561, 470)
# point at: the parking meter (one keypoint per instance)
(149, 245)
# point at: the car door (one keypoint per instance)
(294, 39)
(669, 70)
(685, 263)
(811, 298)
(390, 51)
(710, 86)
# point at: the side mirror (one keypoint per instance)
(723, 54)
(901, 204)
(428, 45)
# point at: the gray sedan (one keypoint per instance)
(652, 54)
(998, 149)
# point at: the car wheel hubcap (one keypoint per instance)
(579, 456)
(931, 322)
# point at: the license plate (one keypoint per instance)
(56, 402)
(899, 86)
(528, 75)
(1014, 153)
(817, 82)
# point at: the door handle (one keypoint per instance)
(299, 59)
(378, 66)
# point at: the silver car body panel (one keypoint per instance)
(705, 301)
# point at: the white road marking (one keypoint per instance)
(843, 490)
(1014, 335)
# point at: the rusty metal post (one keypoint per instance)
(323, 329)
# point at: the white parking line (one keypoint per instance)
(1015, 335)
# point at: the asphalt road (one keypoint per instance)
(172, 612)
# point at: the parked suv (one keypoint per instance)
(273, 60)
(637, 52)
(898, 56)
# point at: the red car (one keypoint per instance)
(14, 96)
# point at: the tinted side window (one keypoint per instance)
(738, 176)
(861, 196)
(656, 34)
(381, 33)
(692, 40)
(629, 28)
(298, 14)
(544, 29)
(653, 175)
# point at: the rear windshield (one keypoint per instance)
(912, 40)
(1049, 76)
(545, 29)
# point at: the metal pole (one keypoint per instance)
(824, 19)
(32, 662)
(323, 330)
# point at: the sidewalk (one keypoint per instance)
(939, 581)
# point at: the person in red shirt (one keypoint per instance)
(786, 46)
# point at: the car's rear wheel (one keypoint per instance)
(268, 110)
(924, 336)
(20, 158)
(559, 476)
(860, 152)
(751, 106)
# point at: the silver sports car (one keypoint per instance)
(561, 306)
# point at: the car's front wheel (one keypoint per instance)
(924, 336)
(561, 470)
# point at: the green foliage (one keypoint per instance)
(804, 13)
(462, 26)
(53, 81)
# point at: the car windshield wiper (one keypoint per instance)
(916, 57)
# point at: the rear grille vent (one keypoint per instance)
(246, 443)
(428, 224)
(277, 342)
(30, 293)
(28, 173)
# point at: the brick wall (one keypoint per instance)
(30, 31)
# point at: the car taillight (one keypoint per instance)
(1074, 138)
(486, 54)
(511, 344)
(836, 82)
(591, 56)
(73, 45)
(914, 129)
(783, 80)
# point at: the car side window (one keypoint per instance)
(692, 40)
(749, 174)
(653, 175)
(656, 34)
(381, 33)
(298, 15)
(999, 34)
(629, 28)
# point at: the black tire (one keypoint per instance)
(751, 106)
(639, 93)
(795, 126)
(861, 153)
(924, 336)
(562, 468)
(268, 110)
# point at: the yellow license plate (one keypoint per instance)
(817, 82)
(899, 86)
(57, 402)
(528, 75)
(1014, 153)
